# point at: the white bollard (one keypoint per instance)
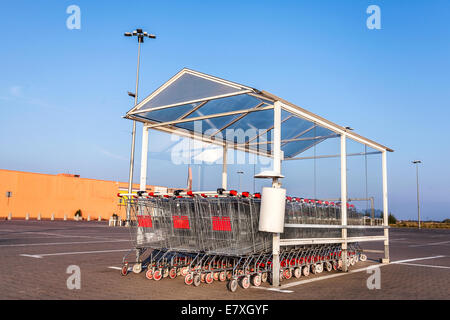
(65, 217)
(27, 216)
(99, 218)
(10, 216)
(39, 216)
(52, 218)
(89, 217)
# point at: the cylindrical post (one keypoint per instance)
(224, 167)
(52, 218)
(276, 184)
(344, 200)
(144, 159)
(27, 216)
(385, 208)
(373, 211)
(10, 216)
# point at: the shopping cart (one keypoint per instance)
(207, 237)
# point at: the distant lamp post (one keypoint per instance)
(416, 162)
(239, 175)
(140, 36)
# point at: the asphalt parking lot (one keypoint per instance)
(35, 256)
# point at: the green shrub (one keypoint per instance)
(392, 219)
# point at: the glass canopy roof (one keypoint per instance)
(221, 111)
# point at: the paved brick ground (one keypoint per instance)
(60, 244)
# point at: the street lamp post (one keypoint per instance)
(416, 162)
(140, 36)
(239, 173)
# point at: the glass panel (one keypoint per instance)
(252, 125)
(169, 114)
(210, 125)
(228, 104)
(292, 148)
(292, 127)
(187, 88)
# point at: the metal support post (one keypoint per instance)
(385, 209)
(276, 184)
(344, 200)
(224, 167)
(144, 159)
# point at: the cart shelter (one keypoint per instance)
(191, 98)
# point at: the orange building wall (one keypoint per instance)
(36, 193)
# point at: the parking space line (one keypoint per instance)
(39, 256)
(416, 259)
(297, 283)
(59, 243)
(423, 265)
(274, 289)
(428, 244)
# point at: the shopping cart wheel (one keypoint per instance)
(137, 268)
(157, 275)
(297, 272)
(209, 278)
(197, 280)
(352, 261)
(149, 274)
(244, 282)
(188, 279)
(356, 258)
(124, 270)
(319, 267)
(173, 273)
(165, 272)
(335, 265)
(287, 273)
(216, 276)
(314, 268)
(256, 280)
(229, 275)
(232, 285)
(222, 276)
(202, 277)
(264, 277)
(340, 264)
(305, 271)
(363, 257)
(184, 271)
(328, 266)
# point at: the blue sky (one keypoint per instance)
(63, 92)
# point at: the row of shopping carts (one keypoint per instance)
(214, 237)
